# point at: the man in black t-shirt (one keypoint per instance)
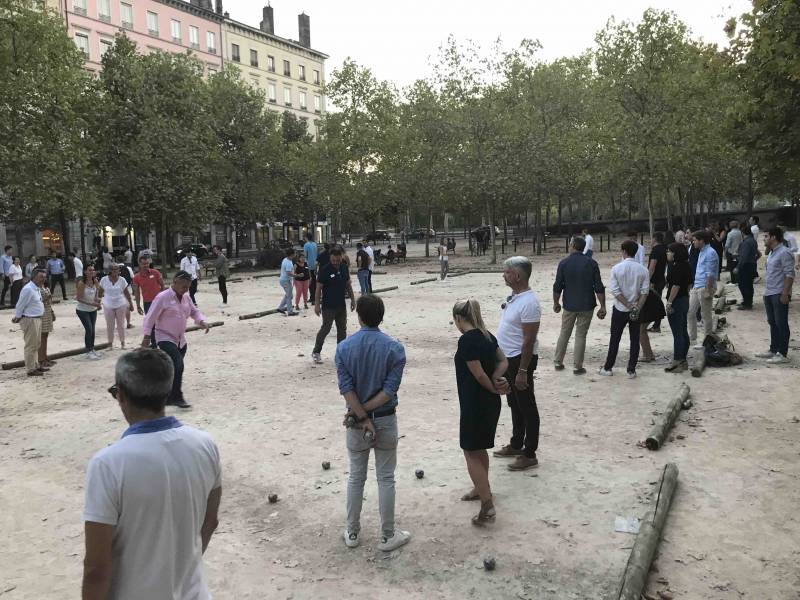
(657, 265)
(323, 258)
(363, 262)
(333, 287)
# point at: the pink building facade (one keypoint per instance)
(168, 25)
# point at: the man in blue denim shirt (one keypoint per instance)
(370, 367)
(705, 284)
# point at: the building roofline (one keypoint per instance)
(270, 36)
(195, 10)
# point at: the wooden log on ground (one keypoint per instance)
(419, 281)
(77, 351)
(256, 315)
(634, 578)
(387, 289)
(459, 274)
(699, 362)
(234, 280)
(266, 275)
(664, 423)
(731, 302)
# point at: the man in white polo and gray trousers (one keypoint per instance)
(28, 313)
(517, 337)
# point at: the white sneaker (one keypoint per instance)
(778, 359)
(222, 305)
(632, 375)
(316, 358)
(400, 538)
(97, 355)
(605, 373)
(350, 539)
(766, 354)
(91, 356)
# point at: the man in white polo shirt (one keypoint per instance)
(516, 336)
(152, 497)
(192, 267)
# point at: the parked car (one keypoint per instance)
(380, 235)
(201, 251)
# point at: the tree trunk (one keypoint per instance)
(490, 207)
(650, 219)
(82, 222)
(62, 223)
(750, 194)
(668, 207)
(166, 259)
(560, 208)
(429, 223)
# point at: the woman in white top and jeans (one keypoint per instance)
(86, 290)
(117, 302)
(443, 258)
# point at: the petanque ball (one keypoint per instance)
(273, 498)
(326, 465)
(489, 563)
(419, 473)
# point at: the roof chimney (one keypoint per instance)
(218, 7)
(304, 25)
(268, 22)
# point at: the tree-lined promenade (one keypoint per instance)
(650, 121)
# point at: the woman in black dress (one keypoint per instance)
(679, 282)
(480, 366)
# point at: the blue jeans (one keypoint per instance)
(746, 274)
(88, 319)
(589, 253)
(678, 324)
(778, 319)
(286, 302)
(176, 355)
(363, 281)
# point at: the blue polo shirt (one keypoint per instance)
(55, 266)
(310, 250)
(370, 361)
(5, 263)
(707, 266)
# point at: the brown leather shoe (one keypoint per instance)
(42, 369)
(523, 463)
(508, 451)
(35, 373)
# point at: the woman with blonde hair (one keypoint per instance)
(480, 366)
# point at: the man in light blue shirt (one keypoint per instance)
(6, 261)
(55, 271)
(370, 367)
(310, 250)
(287, 276)
(777, 295)
(705, 284)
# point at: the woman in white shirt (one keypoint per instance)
(116, 300)
(15, 276)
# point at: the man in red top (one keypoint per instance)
(147, 284)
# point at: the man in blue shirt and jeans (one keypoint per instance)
(705, 284)
(310, 250)
(55, 270)
(370, 367)
(777, 295)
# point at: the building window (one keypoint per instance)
(82, 42)
(316, 76)
(105, 46)
(211, 42)
(152, 23)
(287, 68)
(126, 15)
(303, 101)
(235, 53)
(302, 72)
(317, 104)
(272, 93)
(255, 82)
(287, 96)
(194, 37)
(271, 63)
(175, 29)
(79, 7)
(104, 10)
(253, 58)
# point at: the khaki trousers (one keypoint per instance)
(32, 330)
(568, 320)
(697, 298)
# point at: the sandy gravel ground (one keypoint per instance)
(732, 533)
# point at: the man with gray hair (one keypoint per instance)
(516, 336)
(732, 242)
(152, 498)
(29, 311)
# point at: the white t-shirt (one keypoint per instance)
(287, 266)
(589, 243)
(443, 254)
(791, 242)
(154, 487)
(114, 293)
(641, 255)
(14, 273)
(368, 250)
(78, 264)
(128, 256)
(189, 264)
(522, 309)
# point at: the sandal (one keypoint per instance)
(487, 514)
(470, 496)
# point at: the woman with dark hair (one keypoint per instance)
(679, 282)
(86, 294)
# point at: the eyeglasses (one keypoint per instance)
(113, 390)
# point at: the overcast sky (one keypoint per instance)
(398, 39)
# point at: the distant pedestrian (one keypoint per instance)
(333, 289)
(480, 377)
(167, 319)
(589, 249)
(630, 284)
(108, 261)
(285, 281)
(311, 251)
(302, 278)
(779, 279)
(55, 272)
(190, 265)
(368, 249)
(128, 257)
(28, 313)
(17, 280)
(578, 279)
(152, 497)
(48, 318)
(444, 260)
(747, 267)
(77, 265)
(362, 263)
(222, 269)
(116, 300)
(33, 263)
(733, 241)
(6, 260)
(679, 283)
(641, 253)
(88, 298)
